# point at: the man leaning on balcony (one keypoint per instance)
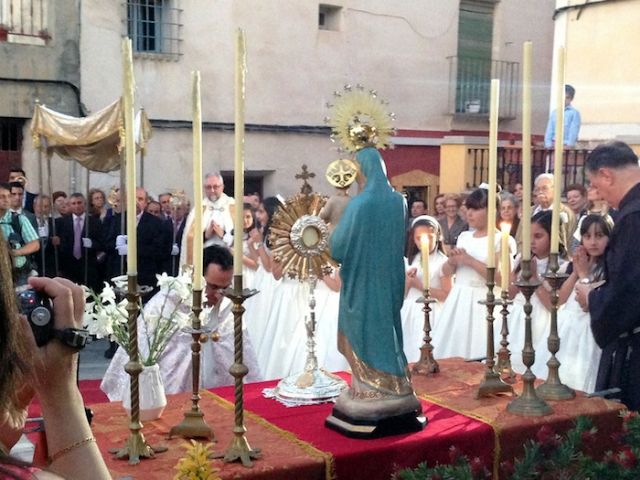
(571, 122)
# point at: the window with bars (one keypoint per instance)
(154, 27)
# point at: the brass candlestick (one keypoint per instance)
(427, 365)
(528, 403)
(239, 448)
(492, 383)
(503, 366)
(553, 388)
(193, 424)
(136, 446)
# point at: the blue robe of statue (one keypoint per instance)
(369, 242)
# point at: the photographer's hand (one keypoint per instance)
(69, 438)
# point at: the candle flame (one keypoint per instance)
(505, 227)
(424, 240)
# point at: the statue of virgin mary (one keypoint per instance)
(368, 242)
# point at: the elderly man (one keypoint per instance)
(79, 238)
(216, 356)
(217, 223)
(153, 242)
(543, 190)
(165, 201)
(613, 171)
(45, 259)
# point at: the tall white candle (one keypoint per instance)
(130, 156)
(424, 252)
(493, 172)
(505, 263)
(238, 180)
(559, 145)
(197, 181)
(527, 61)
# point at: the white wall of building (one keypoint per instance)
(398, 48)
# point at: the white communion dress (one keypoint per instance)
(327, 305)
(248, 273)
(282, 348)
(257, 307)
(579, 355)
(412, 313)
(540, 320)
(175, 362)
(461, 329)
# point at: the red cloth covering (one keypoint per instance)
(375, 458)
(295, 443)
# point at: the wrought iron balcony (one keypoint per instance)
(510, 165)
(470, 86)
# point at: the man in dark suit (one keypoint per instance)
(153, 245)
(175, 224)
(46, 257)
(18, 175)
(79, 237)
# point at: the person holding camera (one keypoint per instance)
(48, 372)
(22, 238)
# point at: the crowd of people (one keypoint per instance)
(83, 242)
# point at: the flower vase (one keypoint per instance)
(152, 397)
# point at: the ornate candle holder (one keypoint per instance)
(239, 448)
(427, 365)
(503, 366)
(136, 446)
(528, 403)
(553, 388)
(492, 383)
(193, 424)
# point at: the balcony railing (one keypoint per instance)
(470, 86)
(542, 160)
(24, 21)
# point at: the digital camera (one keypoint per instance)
(38, 309)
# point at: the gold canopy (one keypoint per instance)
(94, 141)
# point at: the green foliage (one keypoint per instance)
(551, 457)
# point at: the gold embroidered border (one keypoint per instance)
(497, 449)
(329, 461)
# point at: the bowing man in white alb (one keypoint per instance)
(215, 356)
(217, 218)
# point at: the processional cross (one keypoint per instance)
(306, 188)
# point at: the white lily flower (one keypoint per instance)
(164, 281)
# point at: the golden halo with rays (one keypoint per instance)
(300, 238)
(342, 172)
(359, 119)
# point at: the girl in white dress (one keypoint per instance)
(540, 300)
(327, 302)
(579, 355)
(250, 256)
(412, 313)
(461, 330)
(258, 306)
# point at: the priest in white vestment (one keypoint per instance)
(217, 218)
